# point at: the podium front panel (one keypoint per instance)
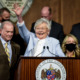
(27, 67)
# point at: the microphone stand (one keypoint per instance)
(51, 52)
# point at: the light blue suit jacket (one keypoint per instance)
(31, 40)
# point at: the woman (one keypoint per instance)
(39, 44)
(70, 46)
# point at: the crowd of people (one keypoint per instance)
(46, 39)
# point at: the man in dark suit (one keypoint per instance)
(56, 28)
(16, 37)
(9, 58)
(76, 31)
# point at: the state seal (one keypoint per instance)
(50, 69)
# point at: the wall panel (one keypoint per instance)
(70, 14)
(65, 12)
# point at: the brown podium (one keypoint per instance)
(27, 67)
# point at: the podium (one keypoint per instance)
(27, 67)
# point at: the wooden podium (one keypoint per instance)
(27, 67)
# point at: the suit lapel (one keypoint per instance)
(47, 41)
(52, 31)
(2, 51)
(13, 52)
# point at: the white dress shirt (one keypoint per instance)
(0, 25)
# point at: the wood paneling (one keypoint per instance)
(70, 14)
(34, 12)
(29, 65)
(65, 12)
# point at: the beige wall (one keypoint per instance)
(66, 12)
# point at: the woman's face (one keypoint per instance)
(70, 44)
(70, 40)
(42, 31)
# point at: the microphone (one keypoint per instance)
(42, 51)
(51, 52)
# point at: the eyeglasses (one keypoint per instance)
(40, 28)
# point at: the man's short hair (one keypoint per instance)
(6, 22)
(5, 9)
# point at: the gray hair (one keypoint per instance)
(5, 22)
(42, 20)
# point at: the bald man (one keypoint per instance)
(56, 28)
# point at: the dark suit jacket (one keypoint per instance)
(56, 31)
(17, 39)
(6, 71)
(76, 31)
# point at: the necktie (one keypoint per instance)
(7, 51)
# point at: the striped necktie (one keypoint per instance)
(7, 51)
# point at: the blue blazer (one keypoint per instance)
(31, 39)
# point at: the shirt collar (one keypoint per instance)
(0, 24)
(3, 41)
